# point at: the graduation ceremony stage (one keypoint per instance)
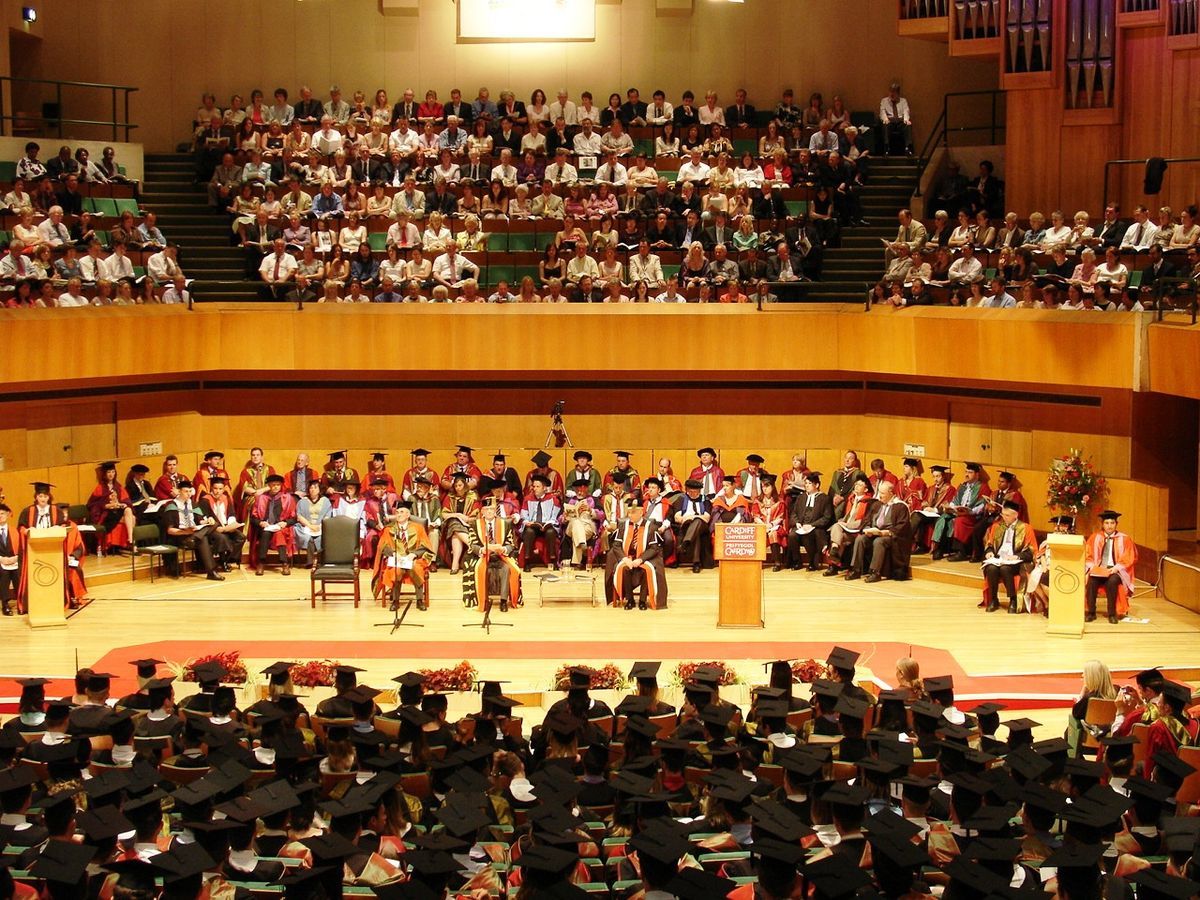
(995, 656)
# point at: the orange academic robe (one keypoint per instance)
(1125, 557)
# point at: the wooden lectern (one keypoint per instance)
(44, 559)
(1066, 585)
(740, 548)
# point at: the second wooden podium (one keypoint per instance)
(44, 556)
(740, 549)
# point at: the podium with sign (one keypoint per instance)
(44, 560)
(740, 548)
(1066, 583)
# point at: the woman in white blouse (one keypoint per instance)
(351, 235)
(381, 112)
(1187, 232)
(534, 139)
(393, 266)
(436, 234)
(1113, 270)
(537, 110)
(379, 203)
(1058, 232)
(667, 143)
(447, 169)
(611, 270)
(1082, 233)
(964, 233)
(418, 268)
(748, 173)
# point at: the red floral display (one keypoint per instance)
(806, 671)
(314, 673)
(460, 678)
(685, 670)
(1075, 486)
(607, 678)
(230, 659)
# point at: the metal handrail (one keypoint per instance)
(942, 129)
(115, 123)
(1139, 162)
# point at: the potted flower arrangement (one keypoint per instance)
(685, 670)
(1075, 486)
(230, 659)
(314, 673)
(459, 678)
(606, 678)
(806, 671)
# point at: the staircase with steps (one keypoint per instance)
(186, 218)
(206, 255)
(859, 259)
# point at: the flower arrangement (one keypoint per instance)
(1074, 486)
(685, 670)
(806, 671)
(606, 678)
(230, 659)
(459, 678)
(314, 673)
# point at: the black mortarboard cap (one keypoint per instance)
(62, 861)
(842, 658)
(661, 842)
(1153, 884)
(146, 668)
(836, 876)
(541, 459)
(1075, 855)
(699, 884)
(103, 823)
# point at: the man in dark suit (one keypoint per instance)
(662, 231)
(473, 170)
(1158, 270)
(394, 169)
(440, 199)
(691, 516)
(782, 266)
(506, 136)
(770, 205)
(752, 268)
(182, 528)
(690, 230)
(661, 199)
(456, 107)
(406, 107)
(1111, 231)
(309, 109)
(633, 110)
(718, 233)
(811, 516)
(365, 167)
(257, 237)
(886, 538)
(741, 114)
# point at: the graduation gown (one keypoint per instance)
(618, 567)
(969, 494)
(296, 481)
(493, 572)
(333, 483)
(165, 485)
(74, 586)
(1124, 559)
(250, 480)
(374, 525)
(710, 478)
(98, 512)
(633, 481)
(284, 537)
(724, 509)
(408, 483)
(203, 480)
(392, 542)
(556, 482)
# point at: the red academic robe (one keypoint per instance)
(371, 514)
(750, 483)
(203, 480)
(724, 509)
(289, 480)
(118, 535)
(876, 479)
(165, 484)
(633, 483)
(371, 476)
(1125, 557)
(408, 484)
(472, 471)
(256, 479)
(1168, 733)
(710, 477)
(74, 586)
(384, 576)
(775, 516)
(792, 477)
(556, 482)
(284, 537)
(913, 492)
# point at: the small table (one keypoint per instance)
(568, 586)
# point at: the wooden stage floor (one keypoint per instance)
(934, 618)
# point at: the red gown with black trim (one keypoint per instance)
(97, 505)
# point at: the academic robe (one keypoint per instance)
(842, 484)
(912, 491)
(711, 479)
(284, 537)
(165, 485)
(371, 476)
(639, 542)
(876, 480)
(97, 505)
(408, 483)
(505, 573)
(74, 586)
(392, 542)
(296, 481)
(374, 518)
(1169, 733)
(512, 481)
(633, 481)
(203, 480)
(472, 471)
(695, 531)
(592, 477)
(141, 494)
(333, 483)
(252, 479)
(1124, 558)
(671, 484)
(774, 515)
(750, 483)
(791, 478)
(724, 509)
(1024, 546)
(969, 494)
(556, 482)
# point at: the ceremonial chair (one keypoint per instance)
(182, 775)
(78, 513)
(1139, 749)
(1100, 715)
(385, 597)
(338, 562)
(770, 773)
(157, 552)
(1189, 791)
(543, 549)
